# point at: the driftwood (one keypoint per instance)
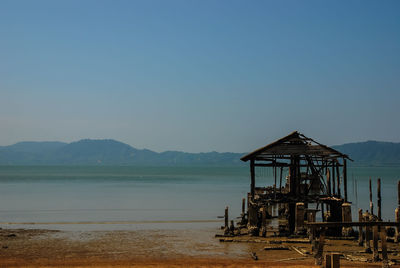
(302, 252)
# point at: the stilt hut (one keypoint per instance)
(308, 178)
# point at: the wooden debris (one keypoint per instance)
(276, 248)
(355, 258)
(302, 252)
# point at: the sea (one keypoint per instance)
(136, 198)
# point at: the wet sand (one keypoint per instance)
(147, 248)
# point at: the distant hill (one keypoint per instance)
(105, 152)
(112, 152)
(372, 152)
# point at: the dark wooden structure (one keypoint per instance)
(317, 176)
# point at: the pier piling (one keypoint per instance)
(360, 229)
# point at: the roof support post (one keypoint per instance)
(253, 179)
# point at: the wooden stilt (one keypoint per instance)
(384, 248)
(333, 178)
(375, 237)
(226, 229)
(397, 219)
(253, 179)
(299, 228)
(335, 260)
(264, 222)
(338, 180)
(397, 212)
(345, 179)
(243, 206)
(368, 234)
(320, 248)
(280, 181)
(379, 200)
(328, 181)
(328, 261)
(360, 229)
(232, 227)
(371, 205)
(252, 220)
(346, 217)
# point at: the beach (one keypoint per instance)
(145, 248)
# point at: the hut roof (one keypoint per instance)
(294, 144)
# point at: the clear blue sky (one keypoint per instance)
(199, 75)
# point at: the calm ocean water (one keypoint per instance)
(148, 197)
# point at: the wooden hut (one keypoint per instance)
(316, 177)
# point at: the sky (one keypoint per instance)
(199, 76)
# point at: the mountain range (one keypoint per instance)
(112, 152)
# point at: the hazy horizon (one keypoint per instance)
(261, 145)
(226, 76)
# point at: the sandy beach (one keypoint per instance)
(147, 248)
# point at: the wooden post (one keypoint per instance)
(275, 181)
(299, 228)
(264, 222)
(397, 219)
(379, 200)
(384, 247)
(333, 178)
(280, 181)
(371, 205)
(253, 179)
(292, 217)
(243, 206)
(360, 229)
(398, 193)
(332, 260)
(338, 180)
(248, 200)
(328, 261)
(335, 260)
(328, 181)
(368, 234)
(375, 243)
(346, 217)
(320, 248)
(226, 229)
(232, 227)
(252, 220)
(397, 212)
(311, 231)
(345, 178)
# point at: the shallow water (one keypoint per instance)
(125, 198)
